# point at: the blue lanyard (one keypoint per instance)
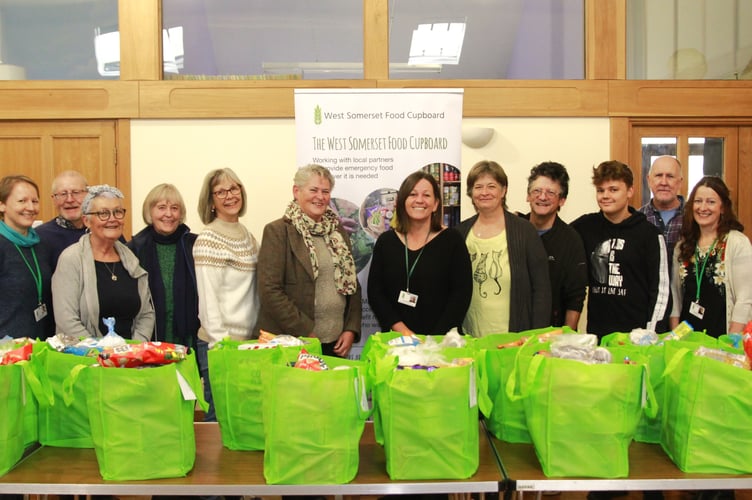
(698, 276)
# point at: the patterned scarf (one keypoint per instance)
(345, 278)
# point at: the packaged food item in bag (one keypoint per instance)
(15, 350)
(146, 353)
(310, 362)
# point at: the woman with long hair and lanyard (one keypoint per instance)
(420, 279)
(712, 276)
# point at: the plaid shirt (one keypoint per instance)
(671, 230)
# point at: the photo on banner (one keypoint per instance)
(370, 140)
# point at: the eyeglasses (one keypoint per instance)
(105, 215)
(222, 193)
(76, 193)
(546, 192)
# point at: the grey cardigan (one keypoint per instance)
(74, 292)
(530, 294)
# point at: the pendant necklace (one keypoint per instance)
(113, 276)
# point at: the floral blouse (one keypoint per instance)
(705, 309)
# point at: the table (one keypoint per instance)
(649, 469)
(219, 471)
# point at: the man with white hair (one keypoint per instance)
(665, 210)
(68, 192)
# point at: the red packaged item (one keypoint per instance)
(310, 362)
(19, 354)
(146, 353)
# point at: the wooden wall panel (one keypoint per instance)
(68, 99)
(660, 98)
(605, 39)
(493, 98)
(235, 99)
(375, 39)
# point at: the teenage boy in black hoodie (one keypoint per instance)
(626, 254)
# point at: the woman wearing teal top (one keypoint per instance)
(25, 265)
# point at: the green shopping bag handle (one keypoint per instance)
(361, 397)
(42, 393)
(651, 408)
(485, 404)
(69, 382)
(511, 385)
(674, 361)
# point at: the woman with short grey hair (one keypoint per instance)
(99, 277)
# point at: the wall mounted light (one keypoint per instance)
(477, 137)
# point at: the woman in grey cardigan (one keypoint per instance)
(511, 291)
(99, 277)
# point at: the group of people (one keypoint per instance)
(497, 271)
(650, 268)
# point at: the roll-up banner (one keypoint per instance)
(370, 140)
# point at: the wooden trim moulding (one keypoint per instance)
(672, 98)
(48, 100)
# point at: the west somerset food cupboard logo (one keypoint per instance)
(317, 115)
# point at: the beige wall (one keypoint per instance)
(262, 152)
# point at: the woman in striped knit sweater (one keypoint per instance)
(226, 254)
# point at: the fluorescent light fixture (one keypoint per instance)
(437, 43)
(342, 67)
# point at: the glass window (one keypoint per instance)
(263, 39)
(53, 39)
(689, 40)
(705, 158)
(501, 39)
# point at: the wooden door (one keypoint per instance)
(703, 149)
(42, 149)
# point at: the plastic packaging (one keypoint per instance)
(642, 336)
(680, 331)
(738, 360)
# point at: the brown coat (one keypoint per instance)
(286, 285)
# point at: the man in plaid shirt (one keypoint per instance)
(665, 210)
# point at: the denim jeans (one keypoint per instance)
(202, 357)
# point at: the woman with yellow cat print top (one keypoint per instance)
(511, 288)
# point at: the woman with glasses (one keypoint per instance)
(225, 254)
(511, 288)
(99, 277)
(24, 263)
(307, 278)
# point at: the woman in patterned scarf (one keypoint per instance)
(308, 285)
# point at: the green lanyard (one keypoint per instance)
(38, 275)
(698, 276)
(409, 268)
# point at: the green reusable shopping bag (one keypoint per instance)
(238, 391)
(12, 403)
(507, 418)
(313, 422)
(428, 420)
(514, 381)
(59, 424)
(707, 405)
(649, 428)
(582, 417)
(142, 418)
